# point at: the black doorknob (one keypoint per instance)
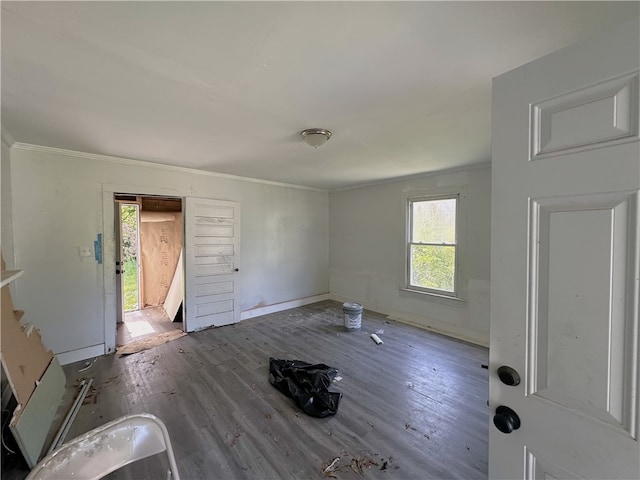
(236, 269)
(508, 376)
(506, 420)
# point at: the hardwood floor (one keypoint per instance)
(413, 407)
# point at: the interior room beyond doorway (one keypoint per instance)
(149, 267)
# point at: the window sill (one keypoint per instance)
(438, 297)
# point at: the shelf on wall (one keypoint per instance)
(9, 276)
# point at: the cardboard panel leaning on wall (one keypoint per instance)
(160, 246)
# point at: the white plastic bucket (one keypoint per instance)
(352, 315)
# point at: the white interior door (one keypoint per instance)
(212, 239)
(565, 263)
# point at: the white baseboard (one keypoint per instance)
(279, 307)
(454, 332)
(81, 354)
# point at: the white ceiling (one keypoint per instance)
(228, 86)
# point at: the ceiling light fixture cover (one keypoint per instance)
(315, 136)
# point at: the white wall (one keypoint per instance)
(367, 262)
(58, 207)
(6, 211)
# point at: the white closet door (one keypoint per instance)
(212, 240)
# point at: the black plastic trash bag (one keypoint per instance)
(307, 384)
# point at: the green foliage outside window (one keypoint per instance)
(433, 267)
(433, 241)
(129, 233)
(130, 286)
(129, 240)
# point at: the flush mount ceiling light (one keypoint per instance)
(315, 136)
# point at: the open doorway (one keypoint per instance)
(149, 269)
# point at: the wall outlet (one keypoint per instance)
(85, 251)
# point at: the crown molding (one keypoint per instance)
(7, 138)
(161, 166)
(418, 176)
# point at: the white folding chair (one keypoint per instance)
(107, 448)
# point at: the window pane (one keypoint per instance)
(434, 221)
(433, 267)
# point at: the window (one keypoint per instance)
(432, 247)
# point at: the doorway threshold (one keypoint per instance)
(144, 324)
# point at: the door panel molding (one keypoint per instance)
(600, 115)
(568, 326)
(537, 468)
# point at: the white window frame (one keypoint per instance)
(457, 280)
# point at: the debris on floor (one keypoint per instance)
(387, 464)
(91, 397)
(332, 466)
(236, 436)
(484, 366)
(112, 379)
(358, 464)
(376, 339)
(88, 365)
(307, 384)
(150, 342)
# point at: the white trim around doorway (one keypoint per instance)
(109, 249)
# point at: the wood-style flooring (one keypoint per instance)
(414, 407)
